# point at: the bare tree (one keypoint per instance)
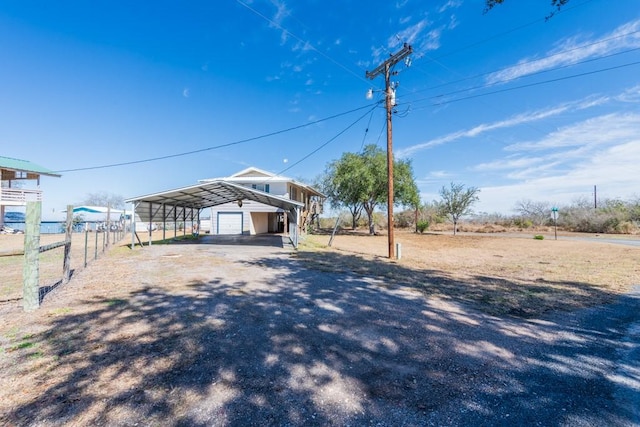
(537, 212)
(103, 199)
(457, 201)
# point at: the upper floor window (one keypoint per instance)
(261, 187)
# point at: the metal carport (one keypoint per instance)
(184, 204)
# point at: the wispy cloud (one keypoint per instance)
(508, 163)
(601, 151)
(485, 127)
(600, 130)
(278, 18)
(630, 95)
(451, 4)
(613, 169)
(573, 50)
(408, 35)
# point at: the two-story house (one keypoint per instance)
(19, 183)
(254, 217)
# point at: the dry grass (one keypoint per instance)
(50, 262)
(516, 276)
(122, 338)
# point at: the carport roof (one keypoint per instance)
(205, 195)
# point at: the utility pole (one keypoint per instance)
(385, 68)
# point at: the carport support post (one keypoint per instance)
(164, 226)
(132, 223)
(175, 221)
(150, 218)
(31, 268)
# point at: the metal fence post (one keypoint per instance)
(66, 264)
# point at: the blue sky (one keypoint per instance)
(509, 102)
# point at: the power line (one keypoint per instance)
(366, 131)
(532, 61)
(504, 33)
(301, 40)
(215, 147)
(329, 141)
(535, 84)
(533, 74)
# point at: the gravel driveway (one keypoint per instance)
(249, 336)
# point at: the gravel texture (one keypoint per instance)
(246, 334)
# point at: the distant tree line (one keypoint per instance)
(610, 216)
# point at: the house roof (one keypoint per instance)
(254, 175)
(96, 209)
(186, 201)
(25, 165)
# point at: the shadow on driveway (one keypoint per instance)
(272, 343)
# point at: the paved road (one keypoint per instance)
(598, 238)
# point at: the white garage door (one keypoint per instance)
(229, 223)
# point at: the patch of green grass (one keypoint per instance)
(115, 301)
(36, 355)
(60, 311)
(22, 345)
(538, 237)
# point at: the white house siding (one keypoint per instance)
(249, 209)
(259, 222)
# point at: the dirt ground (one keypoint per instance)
(514, 275)
(259, 334)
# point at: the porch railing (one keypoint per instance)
(19, 196)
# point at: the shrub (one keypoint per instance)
(422, 225)
(538, 237)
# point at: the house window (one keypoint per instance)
(261, 187)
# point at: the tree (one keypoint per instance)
(341, 185)
(103, 199)
(359, 181)
(537, 212)
(457, 202)
(556, 4)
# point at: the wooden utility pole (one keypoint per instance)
(385, 68)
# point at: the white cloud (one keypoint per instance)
(595, 131)
(572, 50)
(508, 163)
(630, 95)
(451, 4)
(602, 151)
(613, 170)
(482, 128)
(408, 35)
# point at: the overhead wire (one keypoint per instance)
(504, 33)
(301, 40)
(366, 131)
(531, 62)
(215, 147)
(328, 141)
(537, 83)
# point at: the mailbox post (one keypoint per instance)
(555, 221)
